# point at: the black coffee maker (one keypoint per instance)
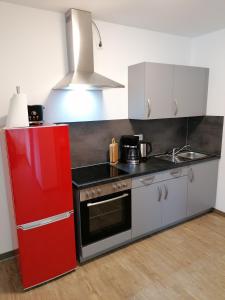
(35, 114)
(129, 149)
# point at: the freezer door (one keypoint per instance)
(46, 249)
(40, 167)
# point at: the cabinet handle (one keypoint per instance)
(160, 193)
(147, 180)
(176, 107)
(149, 108)
(107, 201)
(166, 191)
(176, 172)
(191, 175)
(46, 221)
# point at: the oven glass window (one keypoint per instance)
(106, 215)
(103, 217)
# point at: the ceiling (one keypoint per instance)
(181, 17)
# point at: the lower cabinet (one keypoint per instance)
(202, 186)
(174, 197)
(157, 205)
(174, 203)
(146, 209)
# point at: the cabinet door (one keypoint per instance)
(190, 91)
(159, 88)
(150, 87)
(146, 209)
(174, 202)
(136, 92)
(46, 251)
(202, 186)
(39, 160)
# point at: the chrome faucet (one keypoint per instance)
(175, 151)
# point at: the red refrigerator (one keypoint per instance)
(40, 169)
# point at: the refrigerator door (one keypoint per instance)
(47, 249)
(40, 167)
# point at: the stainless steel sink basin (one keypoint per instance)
(169, 157)
(191, 155)
(182, 157)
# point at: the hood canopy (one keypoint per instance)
(80, 55)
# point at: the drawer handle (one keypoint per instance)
(147, 180)
(176, 172)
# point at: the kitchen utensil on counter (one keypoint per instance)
(140, 136)
(113, 152)
(17, 114)
(129, 147)
(35, 113)
(145, 150)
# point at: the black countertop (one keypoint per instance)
(153, 165)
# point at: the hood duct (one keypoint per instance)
(80, 55)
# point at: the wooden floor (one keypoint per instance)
(185, 262)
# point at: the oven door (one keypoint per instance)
(105, 216)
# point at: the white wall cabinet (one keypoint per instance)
(158, 91)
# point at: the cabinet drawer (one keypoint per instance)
(157, 177)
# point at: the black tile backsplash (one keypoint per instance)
(205, 133)
(163, 133)
(90, 140)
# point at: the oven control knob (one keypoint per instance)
(114, 187)
(87, 194)
(99, 191)
(124, 184)
(93, 193)
(119, 185)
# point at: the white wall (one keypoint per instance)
(32, 52)
(209, 51)
(5, 228)
(8, 240)
(33, 55)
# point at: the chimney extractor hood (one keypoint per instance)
(80, 55)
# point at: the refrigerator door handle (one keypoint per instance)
(43, 222)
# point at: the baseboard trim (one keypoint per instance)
(8, 255)
(219, 212)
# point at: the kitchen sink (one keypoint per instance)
(191, 155)
(169, 157)
(182, 157)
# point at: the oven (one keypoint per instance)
(105, 211)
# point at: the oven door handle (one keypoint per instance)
(106, 201)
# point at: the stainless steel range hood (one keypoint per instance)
(80, 55)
